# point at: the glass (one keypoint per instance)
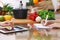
(41, 34)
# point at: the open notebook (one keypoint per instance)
(41, 26)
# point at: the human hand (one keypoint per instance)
(6, 23)
(47, 22)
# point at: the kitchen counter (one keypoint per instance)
(55, 35)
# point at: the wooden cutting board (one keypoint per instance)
(23, 21)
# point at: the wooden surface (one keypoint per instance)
(23, 21)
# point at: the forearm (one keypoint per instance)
(55, 21)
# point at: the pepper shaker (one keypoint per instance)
(21, 5)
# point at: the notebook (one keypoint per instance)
(41, 26)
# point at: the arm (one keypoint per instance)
(55, 21)
(50, 21)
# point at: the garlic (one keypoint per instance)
(38, 19)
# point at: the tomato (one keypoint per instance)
(32, 18)
(41, 0)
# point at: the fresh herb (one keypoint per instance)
(43, 13)
(7, 8)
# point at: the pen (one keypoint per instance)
(45, 24)
(46, 20)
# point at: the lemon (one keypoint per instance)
(7, 17)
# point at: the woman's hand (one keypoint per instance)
(47, 22)
(6, 23)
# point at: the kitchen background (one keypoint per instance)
(15, 3)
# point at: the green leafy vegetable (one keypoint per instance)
(7, 8)
(43, 13)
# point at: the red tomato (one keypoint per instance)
(32, 16)
(41, 0)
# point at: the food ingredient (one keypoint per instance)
(35, 2)
(44, 13)
(1, 18)
(33, 15)
(7, 17)
(38, 19)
